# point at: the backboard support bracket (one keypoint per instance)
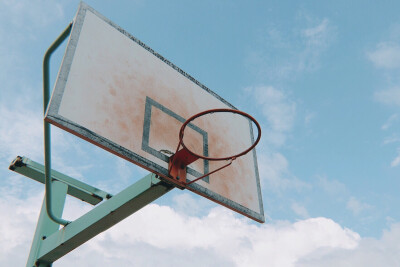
(178, 163)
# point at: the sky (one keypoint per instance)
(323, 80)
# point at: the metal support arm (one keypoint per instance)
(102, 217)
(78, 189)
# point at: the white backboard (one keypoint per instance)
(117, 93)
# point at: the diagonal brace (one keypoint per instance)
(102, 217)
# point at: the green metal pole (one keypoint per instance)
(46, 227)
(47, 137)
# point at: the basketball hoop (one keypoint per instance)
(184, 157)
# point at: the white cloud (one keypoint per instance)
(331, 186)
(390, 121)
(316, 38)
(279, 114)
(30, 13)
(219, 235)
(21, 133)
(300, 210)
(17, 228)
(283, 55)
(22, 22)
(389, 96)
(219, 238)
(396, 161)
(191, 204)
(124, 171)
(369, 252)
(278, 110)
(277, 107)
(386, 55)
(391, 139)
(275, 174)
(356, 206)
(309, 117)
(317, 34)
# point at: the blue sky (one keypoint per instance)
(321, 78)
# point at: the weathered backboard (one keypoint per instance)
(117, 93)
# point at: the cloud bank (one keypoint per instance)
(159, 235)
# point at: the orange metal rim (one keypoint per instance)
(221, 110)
